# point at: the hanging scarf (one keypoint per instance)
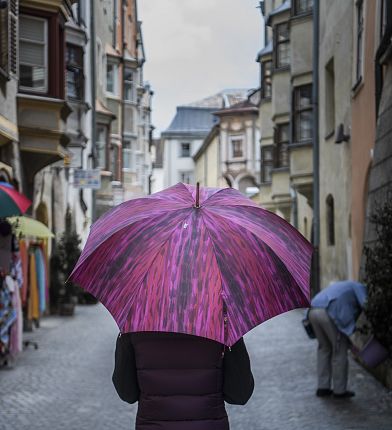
(24, 258)
(41, 278)
(33, 301)
(16, 334)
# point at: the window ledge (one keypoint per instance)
(281, 69)
(300, 16)
(112, 96)
(281, 169)
(300, 144)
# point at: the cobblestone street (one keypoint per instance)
(66, 383)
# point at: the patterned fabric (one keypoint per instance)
(160, 264)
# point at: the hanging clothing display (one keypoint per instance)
(24, 259)
(16, 339)
(33, 298)
(7, 316)
(41, 278)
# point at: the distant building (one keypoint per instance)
(190, 126)
(157, 175)
(230, 153)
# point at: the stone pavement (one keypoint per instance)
(66, 383)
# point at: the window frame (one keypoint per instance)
(79, 68)
(128, 151)
(131, 83)
(265, 77)
(266, 163)
(114, 64)
(297, 111)
(24, 88)
(295, 8)
(237, 138)
(182, 153)
(281, 146)
(277, 43)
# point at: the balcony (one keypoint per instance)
(42, 132)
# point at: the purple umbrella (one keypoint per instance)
(214, 265)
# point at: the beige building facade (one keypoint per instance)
(285, 112)
(336, 83)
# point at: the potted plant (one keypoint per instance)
(64, 259)
(378, 278)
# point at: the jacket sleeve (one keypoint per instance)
(125, 375)
(238, 383)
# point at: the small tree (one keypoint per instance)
(67, 254)
(378, 275)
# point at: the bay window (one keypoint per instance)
(33, 54)
(303, 114)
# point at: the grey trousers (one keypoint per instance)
(332, 361)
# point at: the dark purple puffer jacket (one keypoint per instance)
(178, 380)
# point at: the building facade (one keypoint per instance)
(187, 131)
(230, 153)
(285, 112)
(123, 105)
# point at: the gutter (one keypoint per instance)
(315, 276)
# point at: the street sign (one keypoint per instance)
(84, 178)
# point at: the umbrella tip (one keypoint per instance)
(197, 195)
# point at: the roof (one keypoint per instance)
(244, 106)
(224, 98)
(265, 51)
(282, 8)
(192, 120)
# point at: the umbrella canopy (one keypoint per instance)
(27, 226)
(11, 201)
(214, 267)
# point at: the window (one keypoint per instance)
(266, 82)
(237, 150)
(282, 46)
(330, 97)
(359, 46)
(33, 46)
(102, 135)
(383, 18)
(128, 84)
(75, 77)
(9, 39)
(128, 155)
(267, 163)
(302, 7)
(185, 149)
(330, 220)
(186, 177)
(282, 143)
(111, 78)
(303, 114)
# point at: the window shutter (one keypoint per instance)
(13, 36)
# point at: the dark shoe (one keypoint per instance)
(323, 392)
(345, 395)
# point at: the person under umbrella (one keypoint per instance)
(333, 314)
(185, 273)
(181, 381)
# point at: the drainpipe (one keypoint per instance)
(294, 206)
(315, 277)
(93, 97)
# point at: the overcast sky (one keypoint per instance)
(195, 48)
